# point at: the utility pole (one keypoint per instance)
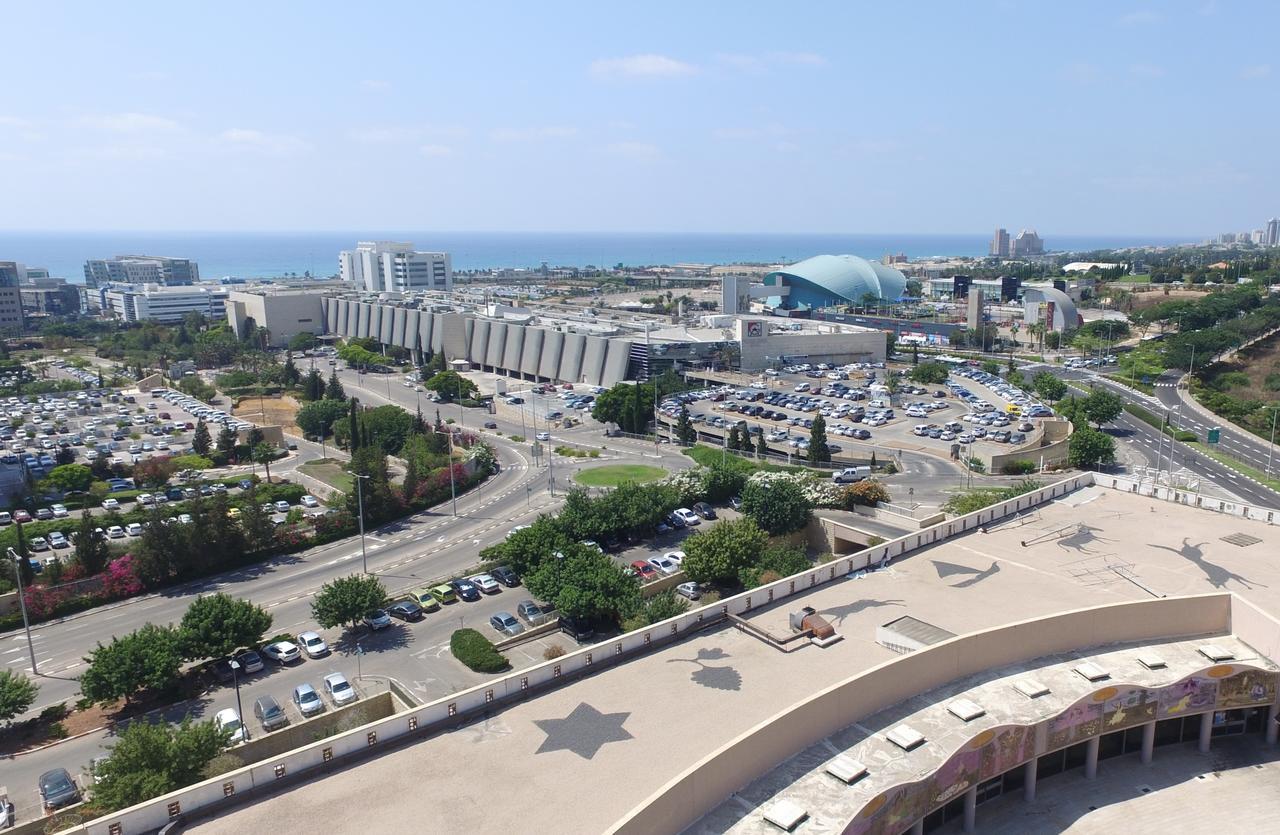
(22, 602)
(364, 554)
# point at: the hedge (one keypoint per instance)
(476, 651)
(1019, 467)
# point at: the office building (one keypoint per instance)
(1273, 232)
(141, 269)
(282, 313)
(395, 267)
(1027, 243)
(11, 321)
(49, 297)
(167, 305)
(1000, 244)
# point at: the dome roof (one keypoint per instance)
(846, 277)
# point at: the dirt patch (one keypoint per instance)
(1143, 298)
(274, 410)
(1259, 364)
(48, 728)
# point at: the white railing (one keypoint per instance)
(1191, 498)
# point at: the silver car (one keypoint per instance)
(307, 700)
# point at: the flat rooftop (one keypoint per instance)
(598, 747)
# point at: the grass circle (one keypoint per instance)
(611, 475)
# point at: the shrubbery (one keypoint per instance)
(476, 651)
(1019, 467)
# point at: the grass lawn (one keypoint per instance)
(1140, 278)
(711, 455)
(330, 471)
(611, 475)
(1244, 469)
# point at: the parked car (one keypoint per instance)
(57, 789)
(664, 565)
(735, 502)
(58, 540)
(339, 690)
(282, 506)
(59, 511)
(309, 501)
(543, 436)
(313, 645)
(530, 611)
(250, 661)
(377, 619)
(282, 652)
(269, 713)
(486, 583)
(506, 623)
(444, 593)
(580, 629)
(689, 590)
(133, 529)
(228, 720)
(506, 576)
(465, 589)
(644, 570)
(407, 610)
(704, 510)
(38, 543)
(307, 700)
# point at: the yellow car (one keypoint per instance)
(425, 599)
(443, 593)
(233, 513)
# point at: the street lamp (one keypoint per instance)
(235, 678)
(1271, 448)
(453, 493)
(22, 601)
(364, 554)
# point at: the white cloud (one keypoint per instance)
(739, 62)
(1147, 71)
(761, 63)
(435, 150)
(810, 59)
(1139, 18)
(1257, 71)
(647, 65)
(634, 150)
(15, 122)
(375, 84)
(382, 136)
(130, 122)
(532, 134)
(257, 140)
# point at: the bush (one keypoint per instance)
(476, 651)
(54, 713)
(552, 652)
(1185, 436)
(57, 731)
(1019, 467)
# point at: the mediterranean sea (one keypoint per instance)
(272, 255)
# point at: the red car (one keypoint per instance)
(643, 570)
(21, 515)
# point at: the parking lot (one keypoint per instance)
(979, 411)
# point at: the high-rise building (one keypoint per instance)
(49, 297)
(395, 267)
(167, 305)
(141, 269)
(10, 297)
(1000, 244)
(1027, 243)
(1273, 232)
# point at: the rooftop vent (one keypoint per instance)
(846, 769)
(1151, 661)
(786, 815)
(1215, 653)
(1031, 688)
(905, 737)
(965, 709)
(1243, 540)
(1092, 671)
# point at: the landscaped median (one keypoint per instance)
(1160, 424)
(1244, 469)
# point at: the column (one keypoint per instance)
(1148, 742)
(1091, 758)
(918, 827)
(1273, 729)
(971, 809)
(1029, 779)
(1206, 731)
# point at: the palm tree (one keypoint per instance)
(262, 454)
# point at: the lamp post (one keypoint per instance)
(453, 493)
(22, 601)
(1271, 448)
(235, 678)
(364, 554)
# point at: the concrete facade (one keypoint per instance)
(283, 314)
(763, 347)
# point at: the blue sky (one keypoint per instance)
(1075, 118)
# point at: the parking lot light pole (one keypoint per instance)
(235, 678)
(1271, 448)
(453, 493)
(22, 602)
(364, 554)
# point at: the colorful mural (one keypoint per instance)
(1108, 709)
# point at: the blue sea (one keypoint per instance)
(263, 255)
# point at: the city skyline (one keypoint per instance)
(710, 119)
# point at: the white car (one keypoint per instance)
(282, 506)
(486, 584)
(133, 529)
(664, 565)
(687, 516)
(282, 652)
(339, 689)
(543, 436)
(676, 557)
(689, 590)
(310, 501)
(228, 720)
(58, 540)
(313, 645)
(60, 511)
(115, 532)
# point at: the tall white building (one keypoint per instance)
(1273, 232)
(395, 267)
(141, 269)
(167, 305)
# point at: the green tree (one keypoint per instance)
(317, 417)
(334, 389)
(257, 524)
(290, 374)
(732, 441)
(353, 426)
(451, 385)
(720, 552)
(386, 427)
(818, 450)
(1048, 386)
(660, 607)
(302, 341)
(312, 386)
(201, 443)
(344, 601)
(1101, 406)
(91, 552)
(781, 560)
(409, 486)
(930, 373)
(69, 478)
(684, 427)
(584, 583)
(218, 624)
(24, 556)
(779, 506)
(148, 658)
(1090, 448)
(762, 446)
(991, 366)
(149, 759)
(264, 454)
(375, 493)
(17, 694)
(227, 440)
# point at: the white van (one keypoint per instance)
(921, 429)
(953, 426)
